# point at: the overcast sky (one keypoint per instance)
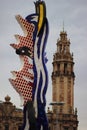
(74, 15)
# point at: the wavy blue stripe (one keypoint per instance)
(42, 119)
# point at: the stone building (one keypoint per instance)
(63, 115)
(10, 116)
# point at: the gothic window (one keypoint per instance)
(58, 67)
(54, 95)
(19, 127)
(60, 48)
(49, 128)
(74, 128)
(64, 49)
(71, 68)
(66, 128)
(65, 68)
(6, 127)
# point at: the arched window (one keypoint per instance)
(19, 127)
(65, 68)
(66, 128)
(6, 126)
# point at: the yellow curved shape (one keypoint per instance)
(41, 17)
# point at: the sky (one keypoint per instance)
(74, 15)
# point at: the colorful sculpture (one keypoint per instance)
(31, 81)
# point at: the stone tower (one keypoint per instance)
(63, 74)
(63, 77)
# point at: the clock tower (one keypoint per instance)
(63, 74)
(63, 77)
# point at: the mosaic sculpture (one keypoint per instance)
(31, 81)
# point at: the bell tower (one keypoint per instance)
(63, 74)
(63, 115)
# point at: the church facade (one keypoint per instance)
(63, 115)
(10, 117)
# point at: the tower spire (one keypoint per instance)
(63, 25)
